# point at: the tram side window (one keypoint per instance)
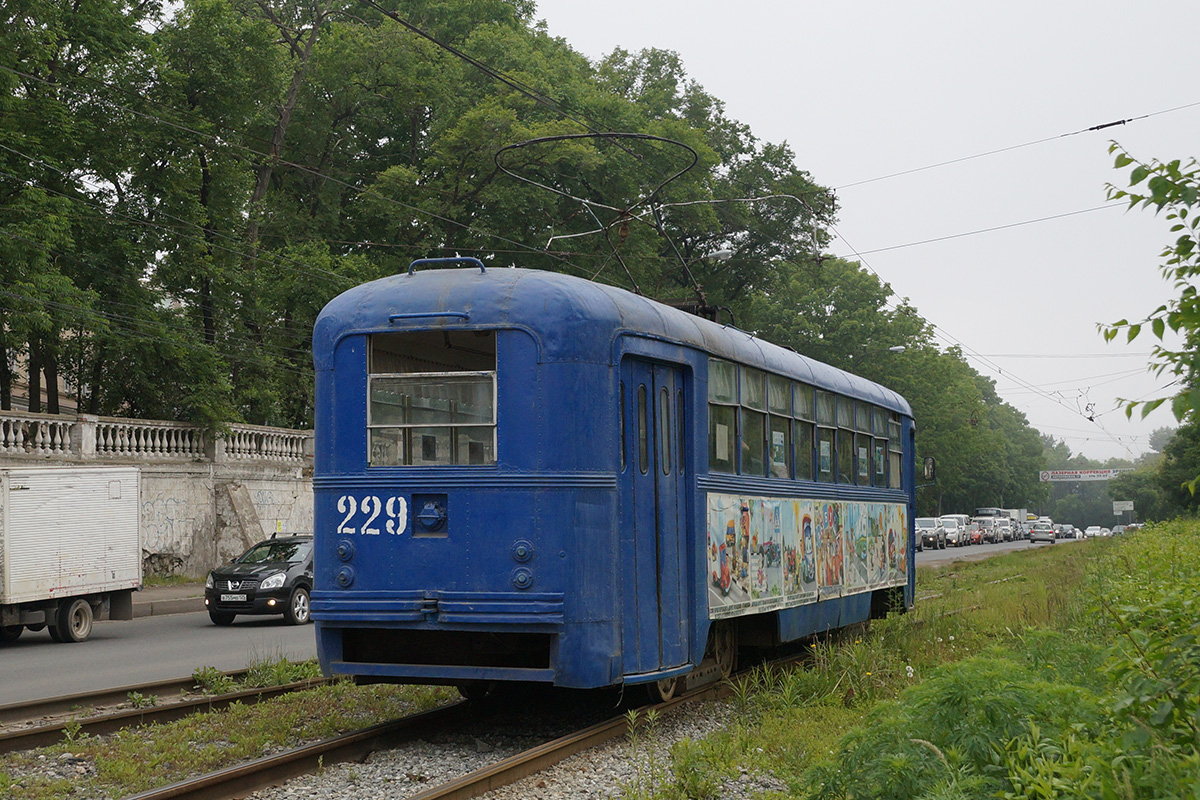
(432, 399)
(754, 421)
(803, 407)
(845, 440)
(879, 429)
(779, 406)
(826, 433)
(895, 450)
(863, 451)
(722, 416)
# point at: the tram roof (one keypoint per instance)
(573, 319)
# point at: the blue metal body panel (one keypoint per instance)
(554, 545)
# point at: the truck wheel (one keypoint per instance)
(298, 611)
(221, 617)
(73, 622)
(10, 633)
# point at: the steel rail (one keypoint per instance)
(53, 732)
(71, 703)
(243, 779)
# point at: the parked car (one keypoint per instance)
(931, 533)
(1041, 532)
(274, 576)
(955, 533)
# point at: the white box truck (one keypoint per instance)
(70, 548)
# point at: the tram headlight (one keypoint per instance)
(273, 582)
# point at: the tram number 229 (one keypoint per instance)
(372, 515)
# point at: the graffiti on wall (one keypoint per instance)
(768, 553)
(169, 525)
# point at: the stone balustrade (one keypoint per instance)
(44, 435)
(88, 438)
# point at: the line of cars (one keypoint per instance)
(960, 530)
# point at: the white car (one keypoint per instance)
(955, 534)
(1092, 531)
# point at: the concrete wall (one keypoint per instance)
(196, 518)
(204, 499)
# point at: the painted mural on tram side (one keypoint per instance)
(767, 553)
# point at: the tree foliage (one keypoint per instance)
(181, 192)
(1172, 189)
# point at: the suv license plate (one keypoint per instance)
(233, 598)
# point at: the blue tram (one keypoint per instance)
(526, 476)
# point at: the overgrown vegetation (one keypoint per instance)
(137, 759)
(1071, 671)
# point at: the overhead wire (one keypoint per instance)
(1010, 148)
(992, 229)
(992, 366)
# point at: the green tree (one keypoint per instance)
(1178, 468)
(1144, 487)
(1172, 189)
(64, 71)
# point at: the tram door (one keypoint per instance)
(655, 624)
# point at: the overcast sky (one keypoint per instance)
(864, 90)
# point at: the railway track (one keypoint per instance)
(24, 726)
(239, 781)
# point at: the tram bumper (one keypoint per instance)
(447, 637)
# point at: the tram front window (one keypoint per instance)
(432, 400)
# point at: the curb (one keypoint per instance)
(177, 605)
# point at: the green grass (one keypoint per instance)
(1064, 671)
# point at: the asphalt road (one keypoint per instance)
(976, 552)
(141, 650)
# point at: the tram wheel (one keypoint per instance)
(663, 690)
(475, 690)
(724, 646)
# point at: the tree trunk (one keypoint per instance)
(35, 378)
(205, 288)
(5, 380)
(302, 49)
(50, 368)
(97, 376)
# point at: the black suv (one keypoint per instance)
(273, 577)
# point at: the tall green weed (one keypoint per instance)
(1102, 700)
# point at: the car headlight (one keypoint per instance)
(273, 582)
(208, 584)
